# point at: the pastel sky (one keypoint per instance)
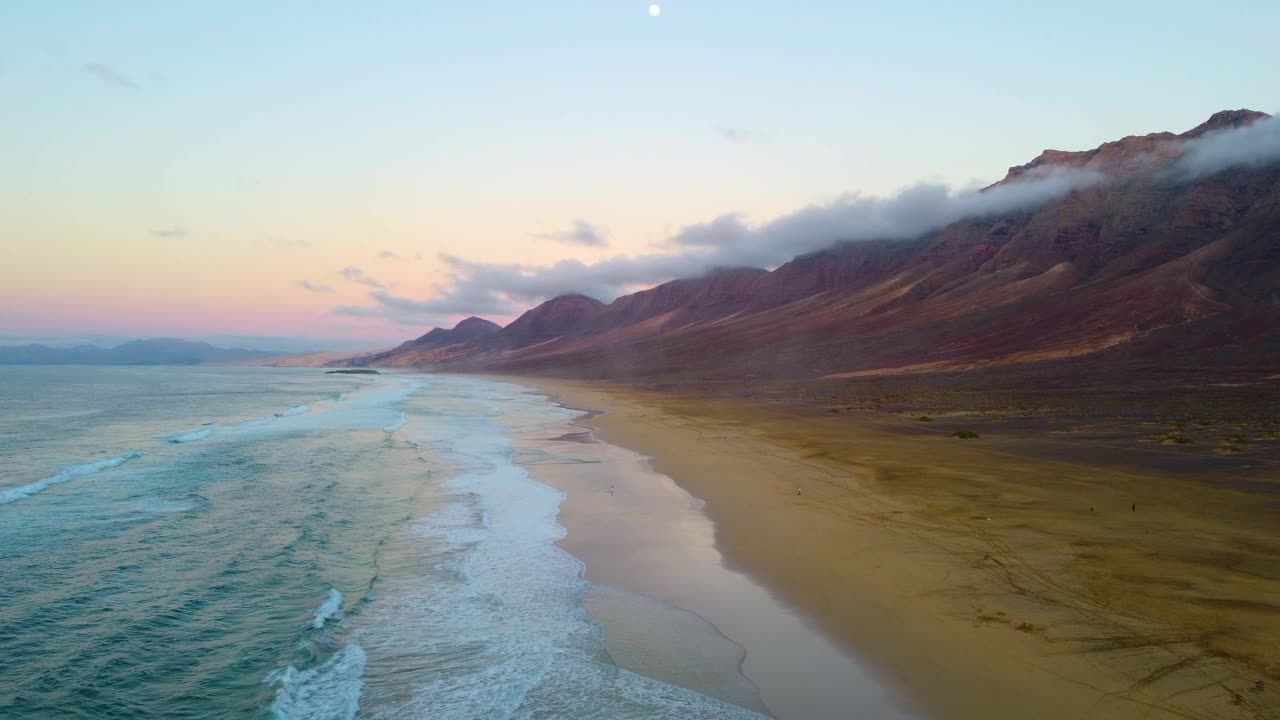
(188, 169)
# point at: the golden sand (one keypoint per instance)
(987, 584)
(671, 609)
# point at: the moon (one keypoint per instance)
(655, 9)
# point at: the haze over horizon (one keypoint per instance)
(242, 170)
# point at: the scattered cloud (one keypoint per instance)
(377, 312)
(913, 211)
(437, 311)
(580, 233)
(356, 275)
(110, 76)
(480, 288)
(1253, 145)
(447, 304)
(177, 231)
(733, 134)
(315, 287)
(399, 257)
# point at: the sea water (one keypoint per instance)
(260, 542)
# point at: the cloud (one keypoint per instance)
(110, 76)
(605, 279)
(177, 231)
(447, 304)
(377, 312)
(912, 212)
(581, 233)
(356, 275)
(315, 287)
(393, 255)
(478, 288)
(417, 320)
(1253, 145)
(731, 133)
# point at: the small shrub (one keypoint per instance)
(924, 418)
(1236, 440)
(965, 434)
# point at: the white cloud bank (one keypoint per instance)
(479, 288)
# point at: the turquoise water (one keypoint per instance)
(253, 542)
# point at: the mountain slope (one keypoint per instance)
(1145, 256)
(426, 348)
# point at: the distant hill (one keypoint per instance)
(1147, 264)
(160, 351)
(319, 358)
(463, 335)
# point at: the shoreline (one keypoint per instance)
(962, 577)
(670, 606)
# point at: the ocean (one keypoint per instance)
(283, 543)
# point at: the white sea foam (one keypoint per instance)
(502, 605)
(295, 410)
(330, 607)
(399, 423)
(329, 691)
(192, 435)
(70, 473)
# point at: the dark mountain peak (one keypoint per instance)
(559, 316)
(1225, 120)
(573, 299)
(1135, 151)
(475, 324)
(469, 329)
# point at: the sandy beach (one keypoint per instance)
(959, 580)
(659, 589)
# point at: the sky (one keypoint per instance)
(351, 172)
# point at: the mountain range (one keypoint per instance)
(159, 351)
(1150, 261)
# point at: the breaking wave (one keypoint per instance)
(70, 473)
(330, 607)
(329, 691)
(191, 435)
